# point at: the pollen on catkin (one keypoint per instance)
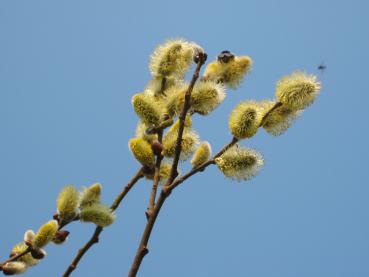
(190, 140)
(45, 234)
(13, 268)
(98, 214)
(279, 120)
(206, 96)
(27, 258)
(67, 203)
(90, 195)
(230, 73)
(298, 90)
(245, 119)
(147, 109)
(239, 163)
(172, 58)
(142, 151)
(202, 154)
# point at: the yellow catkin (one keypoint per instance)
(278, 121)
(90, 195)
(175, 99)
(190, 141)
(172, 58)
(201, 155)
(206, 96)
(298, 90)
(147, 109)
(67, 203)
(142, 151)
(45, 234)
(27, 259)
(245, 119)
(230, 73)
(239, 163)
(98, 214)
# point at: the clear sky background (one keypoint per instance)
(68, 70)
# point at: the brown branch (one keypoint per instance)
(155, 185)
(201, 58)
(95, 237)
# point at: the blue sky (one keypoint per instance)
(68, 70)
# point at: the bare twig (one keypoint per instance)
(95, 237)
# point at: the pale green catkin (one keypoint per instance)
(202, 154)
(164, 172)
(190, 140)
(239, 163)
(45, 234)
(297, 91)
(90, 195)
(142, 151)
(67, 203)
(98, 214)
(245, 119)
(206, 97)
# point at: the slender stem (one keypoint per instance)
(155, 185)
(95, 237)
(182, 117)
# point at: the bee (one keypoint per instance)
(322, 67)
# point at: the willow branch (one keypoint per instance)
(186, 106)
(95, 236)
(16, 257)
(155, 185)
(274, 107)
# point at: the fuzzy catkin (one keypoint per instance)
(67, 203)
(90, 195)
(239, 163)
(45, 234)
(14, 268)
(190, 140)
(98, 214)
(27, 258)
(297, 91)
(147, 109)
(142, 151)
(245, 119)
(201, 155)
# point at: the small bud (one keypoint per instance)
(98, 214)
(29, 236)
(201, 155)
(60, 237)
(142, 151)
(13, 268)
(27, 258)
(245, 119)
(67, 203)
(239, 163)
(297, 91)
(147, 108)
(90, 195)
(45, 234)
(156, 147)
(38, 254)
(230, 73)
